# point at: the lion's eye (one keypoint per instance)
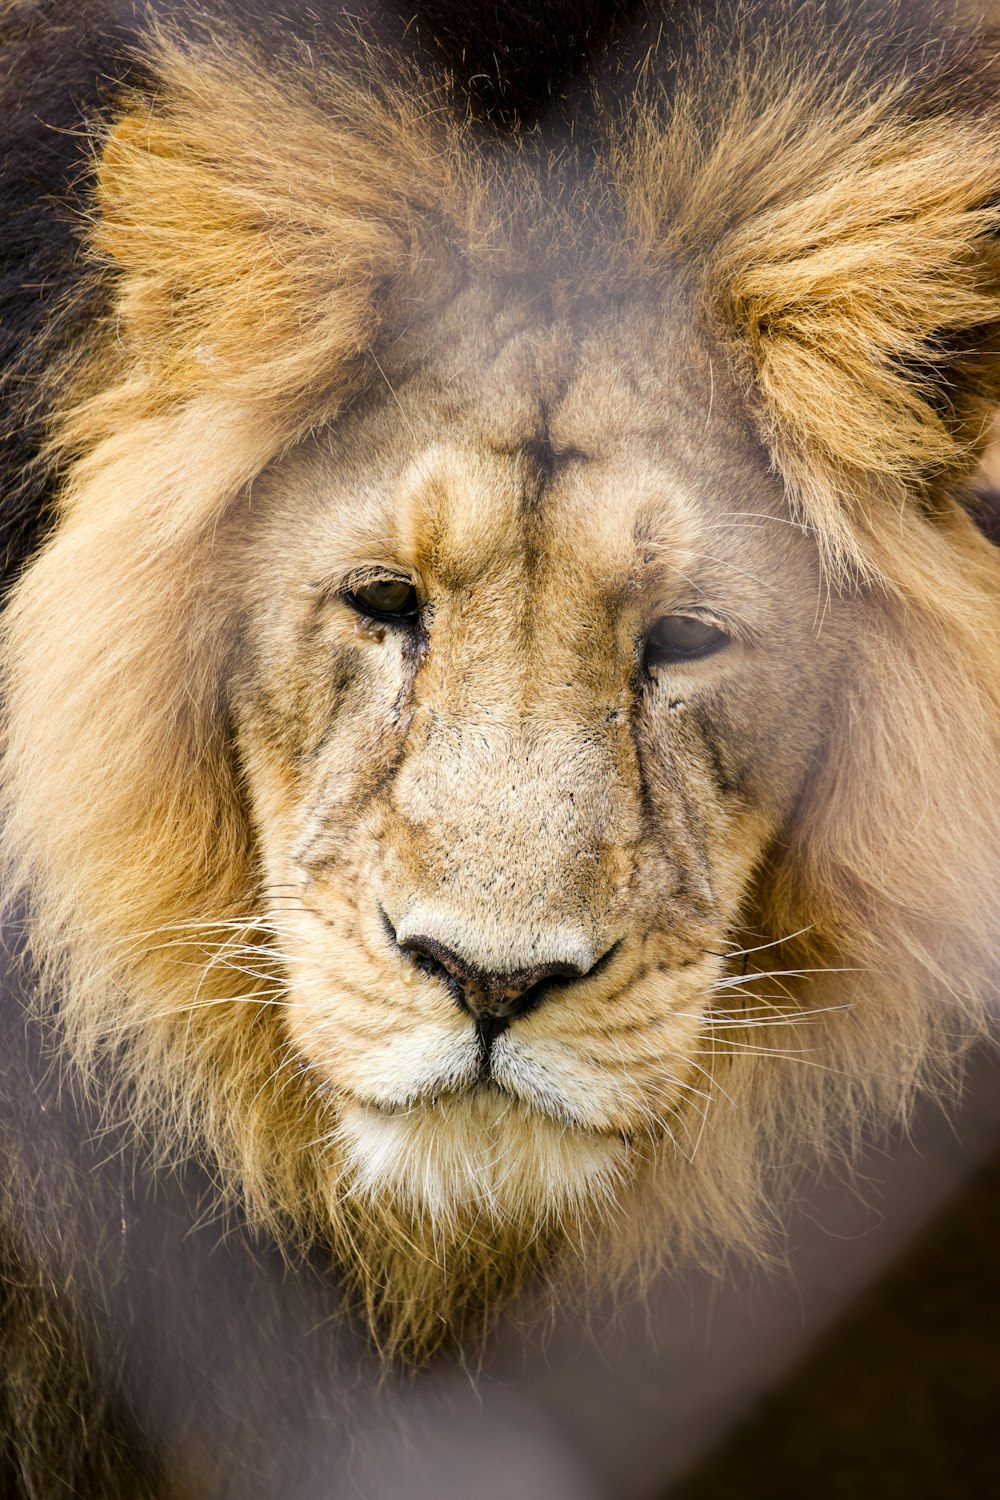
(682, 638)
(390, 599)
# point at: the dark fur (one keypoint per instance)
(52, 84)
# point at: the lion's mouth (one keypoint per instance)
(489, 1097)
(483, 1089)
(489, 1090)
(621, 1072)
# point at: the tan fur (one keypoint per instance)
(215, 775)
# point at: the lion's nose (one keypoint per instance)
(486, 995)
(493, 998)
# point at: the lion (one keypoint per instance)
(502, 703)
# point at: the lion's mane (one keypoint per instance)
(836, 226)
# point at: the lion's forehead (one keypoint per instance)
(546, 461)
(530, 521)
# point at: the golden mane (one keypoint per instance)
(839, 237)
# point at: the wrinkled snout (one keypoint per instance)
(508, 858)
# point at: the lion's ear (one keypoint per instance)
(252, 229)
(864, 296)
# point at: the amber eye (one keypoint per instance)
(391, 599)
(682, 638)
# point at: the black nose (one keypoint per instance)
(493, 999)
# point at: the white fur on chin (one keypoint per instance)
(483, 1150)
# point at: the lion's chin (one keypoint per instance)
(483, 1153)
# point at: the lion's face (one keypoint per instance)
(526, 688)
(498, 595)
